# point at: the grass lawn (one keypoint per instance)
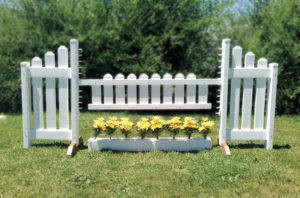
(252, 171)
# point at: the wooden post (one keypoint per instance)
(271, 105)
(26, 104)
(224, 90)
(74, 90)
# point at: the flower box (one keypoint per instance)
(147, 144)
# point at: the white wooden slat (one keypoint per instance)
(235, 89)
(132, 90)
(63, 89)
(50, 93)
(247, 93)
(144, 90)
(260, 97)
(249, 73)
(191, 90)
(179, 90)
(108, 90)
(148, 106)
(202, 93)
(246, 134)
(167, 90)
(120, 90)
(37, 90)
(46, 72)
(155, 90)
(48, 134)
(96, 94)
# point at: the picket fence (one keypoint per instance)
(144, 93)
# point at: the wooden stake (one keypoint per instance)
(225, 149)
(73, 147)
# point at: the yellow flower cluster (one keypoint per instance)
(157, 123)
(112, 123)
(143, 124)
(125, 124)
(206, 124)
(175, 123)
(99, 124)
(190, 122)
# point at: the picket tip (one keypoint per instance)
(62, 47)
(72, 41)
(237, 48)
(275, 65)
(250, 54)
(227, 40)
(25, 64)
(49, 53)
(262, 60)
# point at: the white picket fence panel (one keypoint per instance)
(33, 91)
(149, 93)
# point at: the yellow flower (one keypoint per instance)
(125, 124)
(190, 122)
(143, 124)
(204, 119)
(157, 123)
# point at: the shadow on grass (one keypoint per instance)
(136, 152)
(252, 145)
(55, 144)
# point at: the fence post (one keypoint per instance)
(271, 105)
(26, 104)
(224, 90)
(74, 90)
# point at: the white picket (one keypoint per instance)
(144, 90)
(247, 93)
(37, 90)
(202, 94)
(108, 90)
(260, 97)
(96, 94)
(50, 93)
(120, 90)
(63, 89)
(155, 90)
(191, 90)
(167, 90)
(235, 89)
(179, 90)
(131, 90)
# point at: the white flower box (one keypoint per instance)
(147, 144)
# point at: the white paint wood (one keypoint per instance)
(74, 90)
(143, 90)
(246, 134)
(235, 89)
(179, 90)
(48, 134)
(120, 90)
(260, 97)
(247, 93)
(202, 93)
(37, 90)
(148, 106)
(224, 90)
(50, 93)
(132, 90)
(271, 106)
(167, 90)
(191, 90)
(108, 90)
(155, 90)
(46, 72)
(249, 73)
(96, 94)
(26, 104)
(63, 89)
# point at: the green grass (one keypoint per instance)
(252, 171)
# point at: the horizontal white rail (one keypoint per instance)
(46, 72)
(98, 106)
(246, 134)
(51, 134)
(249, 73)
(90, 82)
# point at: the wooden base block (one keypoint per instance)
(225, 149)
(71, 149)
(80, 141)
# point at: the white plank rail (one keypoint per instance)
(249, 73)
(191, 90)
(246, 134)
(132, 94)
(155, 90)
(63, 89)
(108, 90)
(235, 89)
(167, 90)
(247, 93)
(120, 90)
(179, 90)
(50, 93)
(259, 107)
(48, 134)
(47, 72)
(143, 90)
(37, 90)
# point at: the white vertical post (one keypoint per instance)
(191, 90)
(271, 105)
(179, 90)
(224, 90)
(155, 90)
(74, 89)
(26, 104)
(131, 90)
(50, 93)
(167, 90)
(96, 95)
(120, 90)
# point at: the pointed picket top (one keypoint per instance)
(49, 59)
(119, 76)
(179, 76)
(237, 57)
(143, 76)
(249, 59)
(36, 62)
(131, 76)
(107, 77)
(155, 76)
(262, 62)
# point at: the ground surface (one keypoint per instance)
(44, 171)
